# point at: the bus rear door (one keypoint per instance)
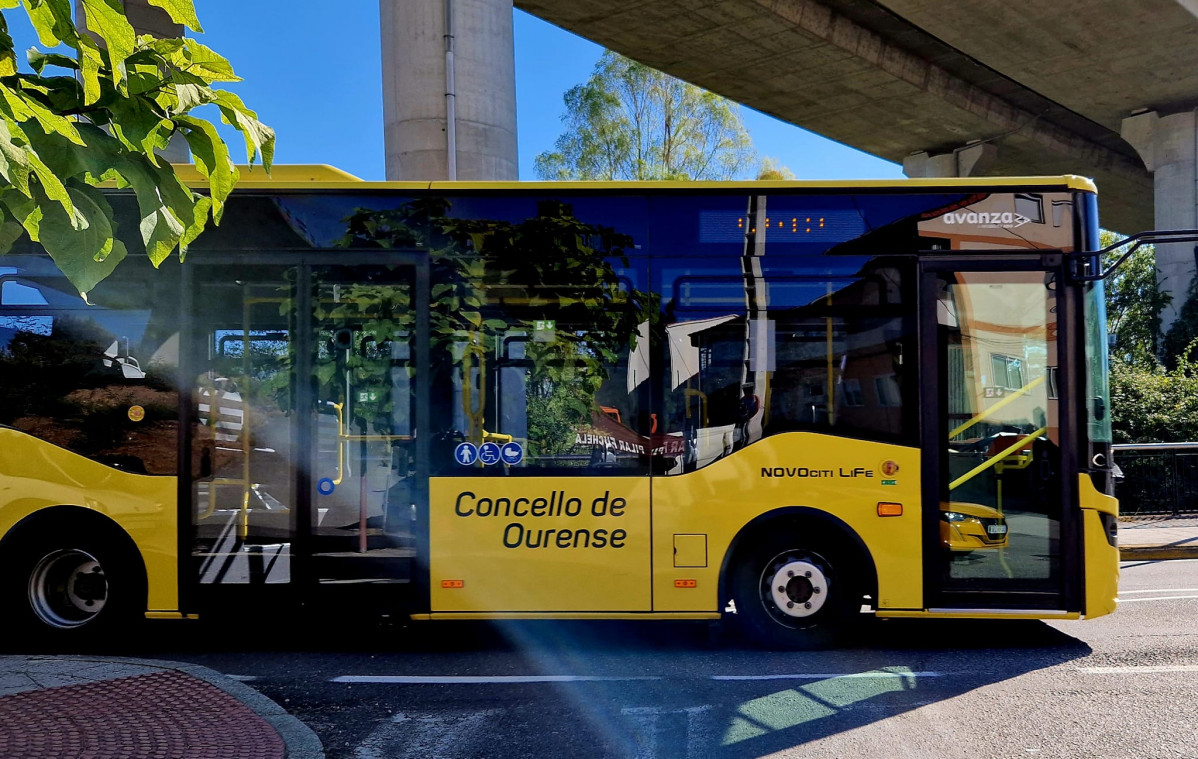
(307, 466)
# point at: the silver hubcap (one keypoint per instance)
(795, 586)
(67, 588)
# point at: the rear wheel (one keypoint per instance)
(796, 593)
(75, 586)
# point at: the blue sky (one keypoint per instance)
(314, 74)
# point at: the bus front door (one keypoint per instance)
(994, 507)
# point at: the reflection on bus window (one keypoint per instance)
(819, 354)
(96, 377)
(540, 337)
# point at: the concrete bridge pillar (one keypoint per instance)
(449, 89)
(1168, 146)
(971, 160)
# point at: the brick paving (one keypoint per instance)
(167, 715)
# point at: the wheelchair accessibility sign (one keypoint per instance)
(488, 453)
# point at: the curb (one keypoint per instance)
(1157, 553)
(299, 739)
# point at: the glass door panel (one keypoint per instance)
(243, 469)
(364, 481)
(1000, 496)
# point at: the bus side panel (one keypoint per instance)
(539, 544)
(35, 475)
(843, 477)
(1101, 558)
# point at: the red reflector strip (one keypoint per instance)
(686, 583)
(453, 583)
(890, 509)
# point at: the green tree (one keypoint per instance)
(1152, 405)
(629, 121)
(772, 168)
(1134, 303)
(90, 113)
(1184, 330)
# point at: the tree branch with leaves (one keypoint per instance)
(94, 116)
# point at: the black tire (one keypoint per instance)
(795, 592)
(73, 586)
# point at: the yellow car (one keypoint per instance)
(971, 526)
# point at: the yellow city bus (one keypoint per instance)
(778, 402)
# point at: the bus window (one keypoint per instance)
(567, 393)
(96, 377)
(824, 354)
(540, 333)
(765, 330)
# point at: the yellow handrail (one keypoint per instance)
(1001, 404)
(702, 396)
(1019, 444)
(831, 399)
(340, 444)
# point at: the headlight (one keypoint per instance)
(955, 516)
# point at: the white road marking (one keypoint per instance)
(654, 730)
(830, 676)
(509, 679)
(242, 678)
(1160, 590)
(472, 680)
(1147, 669)
(1160, 598)
(429, 736)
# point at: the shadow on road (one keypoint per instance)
(633, 689)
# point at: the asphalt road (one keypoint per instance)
(1121, 686)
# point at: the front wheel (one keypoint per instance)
(792, 593)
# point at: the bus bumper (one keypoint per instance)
(1101, 563)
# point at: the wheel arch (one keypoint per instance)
(798, 518)
(77, 519)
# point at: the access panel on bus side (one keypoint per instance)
(539, 496)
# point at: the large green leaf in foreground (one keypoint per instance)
(99, 121)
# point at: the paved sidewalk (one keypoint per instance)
(64, 707)
(1154, 538)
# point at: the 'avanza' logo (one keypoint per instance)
(1004, 220)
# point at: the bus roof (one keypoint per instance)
(308, 176)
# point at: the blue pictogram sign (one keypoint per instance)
(512, 453)
(465, 454)
(488, 453)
